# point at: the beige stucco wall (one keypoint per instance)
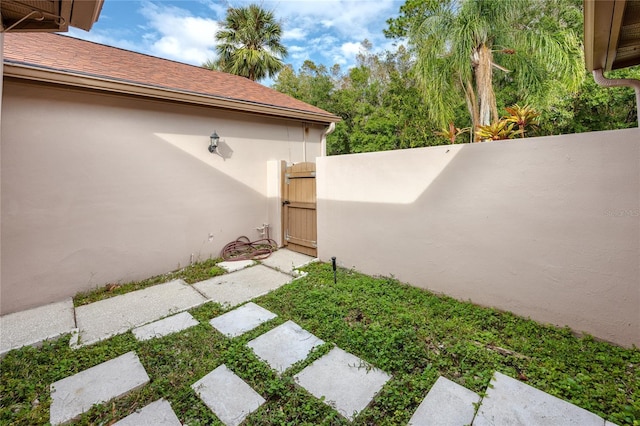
(100, 188)
(547, 228)
(1, 86)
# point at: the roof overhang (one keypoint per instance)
(65, 78)
(48, 15)
(611, 34)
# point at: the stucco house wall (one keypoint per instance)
(547, 228)
(100, 187)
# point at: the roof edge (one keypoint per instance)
(45, 75)
(602, 25)
(589, 35)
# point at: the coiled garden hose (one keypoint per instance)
(244, 249)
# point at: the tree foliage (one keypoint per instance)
(592, 108)
(384, 106)
(460, 44)
(378, 100)
(249, 44)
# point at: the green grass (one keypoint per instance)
(191, 274)
(410, 333)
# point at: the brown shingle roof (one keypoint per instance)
(69, 55)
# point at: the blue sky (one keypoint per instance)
(327, 31)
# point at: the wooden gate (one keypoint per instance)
(299, 208)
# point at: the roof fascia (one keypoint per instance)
(85, 13)
(597, 27)
(616, 26)
(129, 88)
(66, 8)
(602, 25)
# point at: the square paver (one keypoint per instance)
(74, 395)
(446, 404)
(242, 286)
(285, 345)
(227, 395)
(286, 260)
(158, 413)
(236, 265)
(240, 320)
(346, 382)
(33, 326)
(511, 402)
(166, 326)
(106, 318)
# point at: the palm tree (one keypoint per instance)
(211, 65)
(249, 43)
(460, 44)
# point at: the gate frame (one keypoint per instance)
(308, 247)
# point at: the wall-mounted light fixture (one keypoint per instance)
(214, 142)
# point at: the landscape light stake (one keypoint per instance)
(333, 265)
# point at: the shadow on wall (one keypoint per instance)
(132, 192)
(224, 150)
(400, 180)
(527, 226)
(71, 225)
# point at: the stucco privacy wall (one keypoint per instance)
(100, 188)
(547, 228)
(1, 86)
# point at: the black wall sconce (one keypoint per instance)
(214, 142)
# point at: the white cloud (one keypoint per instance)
(353, 19)
(103, 37)
(334, 29)
(294, 34)
(173, 33)
(350, 49)
(298, 53)
(219, 8)
(339, 59)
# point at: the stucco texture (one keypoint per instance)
(548, 228)
(100, 188)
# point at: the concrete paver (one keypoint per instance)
(106, 318)
(240, 320)
(74, 395)
(165, 326)
(446, 404)
(286, 260)
(511, 402)
(242, 286)
(227, 395)
(347, 383)
(158, 413)
(236, 265)
(284, 345)
(33, 326)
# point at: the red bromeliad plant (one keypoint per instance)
(522, 116)
(505, 128)
(498, 130)
(452, 132)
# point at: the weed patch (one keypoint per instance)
(417, 336)
(192, 274)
